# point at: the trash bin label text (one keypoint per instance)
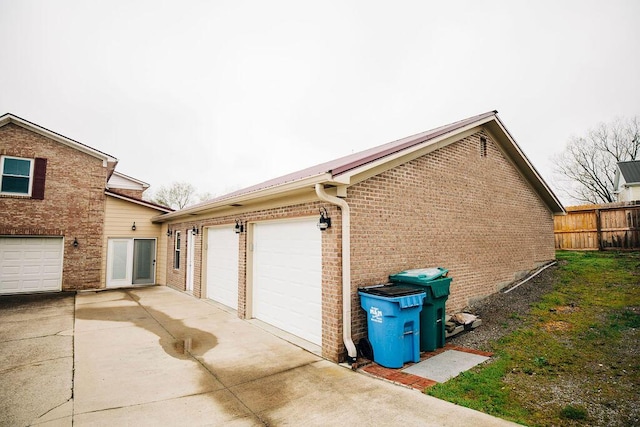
(376, 314)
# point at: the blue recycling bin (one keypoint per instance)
(435, 284)
(393, 323)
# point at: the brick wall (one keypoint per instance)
(73, 205)
(454, 208)
(177, 278)
(474, 215)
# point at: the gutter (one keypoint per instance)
(346, 269)
(244, 196)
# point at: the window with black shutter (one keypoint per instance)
(20, 176)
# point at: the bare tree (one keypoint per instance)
(205, 196)
(589, 162)
(177, 195)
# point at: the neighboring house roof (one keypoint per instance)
(356, 167)
(630, 171)
(122, 181)
(108, 160)
(163, 209)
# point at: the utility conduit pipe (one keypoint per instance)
(532, 276)
(346, 269)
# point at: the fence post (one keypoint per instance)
(599, 229)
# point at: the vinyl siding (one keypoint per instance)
(119, 217)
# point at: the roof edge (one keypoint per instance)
(140, 202)
(547, 194)
(233, 198)
(26, 124)
(144, 184)
(402, 144)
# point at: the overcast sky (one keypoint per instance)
(226, 94)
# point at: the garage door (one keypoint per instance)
(287, 277)
(222, 266)
(30, 264)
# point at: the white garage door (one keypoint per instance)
(30, 264)
(222, 266)
(287, 277)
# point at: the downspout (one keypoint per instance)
(346, 269)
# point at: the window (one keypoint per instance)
(17, 176)
(23, 177)
(176, 251)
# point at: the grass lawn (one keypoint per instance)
(576, 359)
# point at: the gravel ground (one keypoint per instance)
(504, 313)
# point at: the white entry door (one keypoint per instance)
(191, 245)
(222, 266)
(287, 277)
(130, 262)
(30, 264)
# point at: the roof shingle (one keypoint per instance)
(630, 171)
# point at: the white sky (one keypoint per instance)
(225, 94)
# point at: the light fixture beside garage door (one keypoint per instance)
(324, 222)
(239, 228)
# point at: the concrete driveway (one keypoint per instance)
(155, 356)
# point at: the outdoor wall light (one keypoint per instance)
(75, 242)
(239, 228)
(324, 222)
(133, 227)
(195, 230)
(169, 232)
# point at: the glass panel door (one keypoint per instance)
(119, 265)
(144, 260)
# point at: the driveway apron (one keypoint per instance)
(36, 358)
(156, 356)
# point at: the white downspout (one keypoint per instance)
(346, 269)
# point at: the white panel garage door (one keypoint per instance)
(30, 264)
(222, 266)
(287, 277)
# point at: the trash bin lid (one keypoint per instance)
(419, 275)
(391, 291)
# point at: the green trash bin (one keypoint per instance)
(432, 317)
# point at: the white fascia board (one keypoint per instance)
(523, 164)
(433, 144)
(136, 202)
(276, 190)
(129, 178)
(106, 158)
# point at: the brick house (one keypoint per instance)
(61, 203)
(462, 196)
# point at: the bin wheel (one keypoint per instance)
(364, 349)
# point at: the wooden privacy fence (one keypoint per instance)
(614, 226)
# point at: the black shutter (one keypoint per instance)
(39, 174)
